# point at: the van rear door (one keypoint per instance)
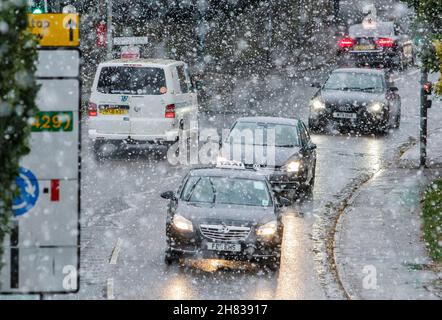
(112, 102)
(148, 104)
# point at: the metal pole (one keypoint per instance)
(423, 120)
(109, 30)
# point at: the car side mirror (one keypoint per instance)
(197, 83)
(170, 195)
(312, 146)
(284, 202)
(394, 89)
(315, 85)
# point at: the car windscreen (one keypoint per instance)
(355, 81)
(132, 80)
(226, 190)
(381, 29)
(264, 134)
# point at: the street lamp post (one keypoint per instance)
(423, 119)
(109, 29)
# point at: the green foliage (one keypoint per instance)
(18, 90)
(428, 28)
(432, 214)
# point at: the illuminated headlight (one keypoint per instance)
(292, 166)
(317, 104)
(181, 223)
(375, 107)
(268, 229)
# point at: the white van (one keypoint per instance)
(141, 100)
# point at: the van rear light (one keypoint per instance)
(385, 42)
(92, 109)
(170, 111)
(346, 42)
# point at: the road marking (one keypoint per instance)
(413, 72)
(110, 289)
(116, 252)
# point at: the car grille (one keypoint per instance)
(225, 233)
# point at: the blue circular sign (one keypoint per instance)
(29, 192)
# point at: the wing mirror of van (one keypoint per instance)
(197, 83)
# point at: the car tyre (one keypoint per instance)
(170, 258)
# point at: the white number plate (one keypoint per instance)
(344, 115)
(232, 247)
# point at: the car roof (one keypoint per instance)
(147, 62)
(272, 120)
(360, 70)
(227, 172)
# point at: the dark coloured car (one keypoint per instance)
(376, 44)
(363, 100)
(224, 213)
(280, 148)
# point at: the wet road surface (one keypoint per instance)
(123, 216)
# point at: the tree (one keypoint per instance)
(18, 90)
(428, 29)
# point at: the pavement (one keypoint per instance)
(379, 251)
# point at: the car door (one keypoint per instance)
(393, 100)
(186, 99)
(309, 153)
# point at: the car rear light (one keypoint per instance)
(92, 109)
(385, 42)
(346, 42)
(170, 111)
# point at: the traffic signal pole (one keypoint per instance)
(423, 119)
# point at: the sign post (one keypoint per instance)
(44, 244)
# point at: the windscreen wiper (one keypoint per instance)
(191, 190)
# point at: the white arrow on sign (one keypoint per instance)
(30, 189)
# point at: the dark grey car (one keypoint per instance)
(377, 43)
(224, 213)
(280, 148)
(357, 98)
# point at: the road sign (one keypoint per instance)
(42, 251)
(29, 192)
(126, 41)
(55, 29)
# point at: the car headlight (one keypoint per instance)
(268, 229)
(375, 107)
(292, 166)
(317, 104)
(181, 223)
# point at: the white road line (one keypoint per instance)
(413, 72)
(116, 252)
(110, 289)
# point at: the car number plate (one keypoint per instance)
(344, 115)
(365, 47)
(231, 247)
(113, 110)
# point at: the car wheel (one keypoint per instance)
(99, 152)
(171, 258)
(312, 127)
(273, 264)
(397, 123)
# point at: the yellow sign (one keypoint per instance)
(55, 29)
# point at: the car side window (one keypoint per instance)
(307, 134)
(184, 85)
(302, 134)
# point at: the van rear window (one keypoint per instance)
(132, 80)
